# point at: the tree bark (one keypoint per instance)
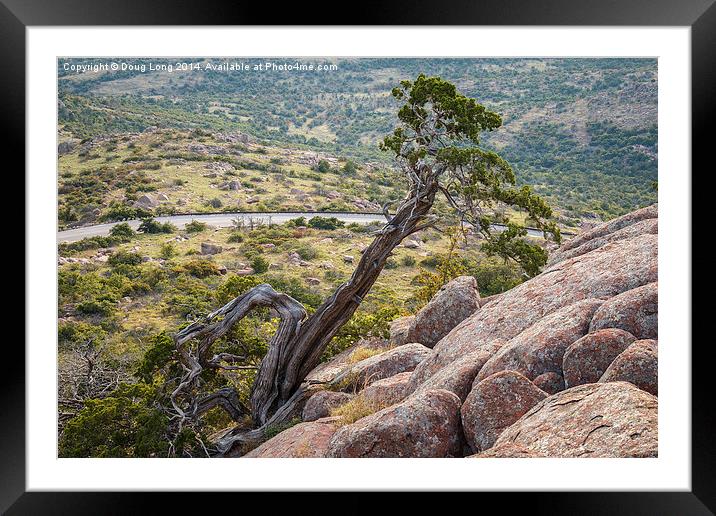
(297, 346)
(277, 382)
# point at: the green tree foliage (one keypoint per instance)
(439, 137)
(323, 166)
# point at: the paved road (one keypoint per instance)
(223, 220)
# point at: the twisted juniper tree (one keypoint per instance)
(437, 148)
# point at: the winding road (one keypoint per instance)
(224, 220)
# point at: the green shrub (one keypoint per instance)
(188, 296)
(122, 230)
(235, 286)
(100, 306)
(215, 203)
(408, 260)
(274, 430)
(159, 353)
(85, 244)
(235, 237)
(124, 424)
(259, 264)
(364, 323)
(329, 223)
(355, 227)
(307, 252)
(323, 166)
(350, 168)
(195, 227)
(124, 258)
(119, 211)
(168, 250)
(71, 334)
(430, 261)
(494, 275)
(201, 268)
(295, 288)
(151, 226)
(297, 222)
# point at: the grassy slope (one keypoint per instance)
(285, 183)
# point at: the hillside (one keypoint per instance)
(581, 131)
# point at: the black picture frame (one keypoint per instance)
(17, 15)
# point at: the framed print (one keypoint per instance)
(424, 252)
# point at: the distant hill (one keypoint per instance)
(583, 132)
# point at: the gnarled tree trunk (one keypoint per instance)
(298, 344)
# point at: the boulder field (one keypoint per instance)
(563, 365)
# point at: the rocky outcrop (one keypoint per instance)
(320, 404)
(146, 201)
(610, 228)
(643, 227)
(302, 440)
(540, 348)
(66, 147)
(638, 365)
(387, 391)
(399, 330)
(494, 404)
(384, 365)
(452, 304)
(328, 371)
(458, 376)
(586, 360)
(593, 420)
(600, 274)
(636, 311)
(426, 425)
(209, 248)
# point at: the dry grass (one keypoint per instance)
(363, 353)
(356, 409)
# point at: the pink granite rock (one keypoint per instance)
(635, 311)
(320, 404)
(425, 425)
(302, 440)
(540, 348)
(591, 420)
(586, 360)
(452, 304)
(494, 404)
(638, 365)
